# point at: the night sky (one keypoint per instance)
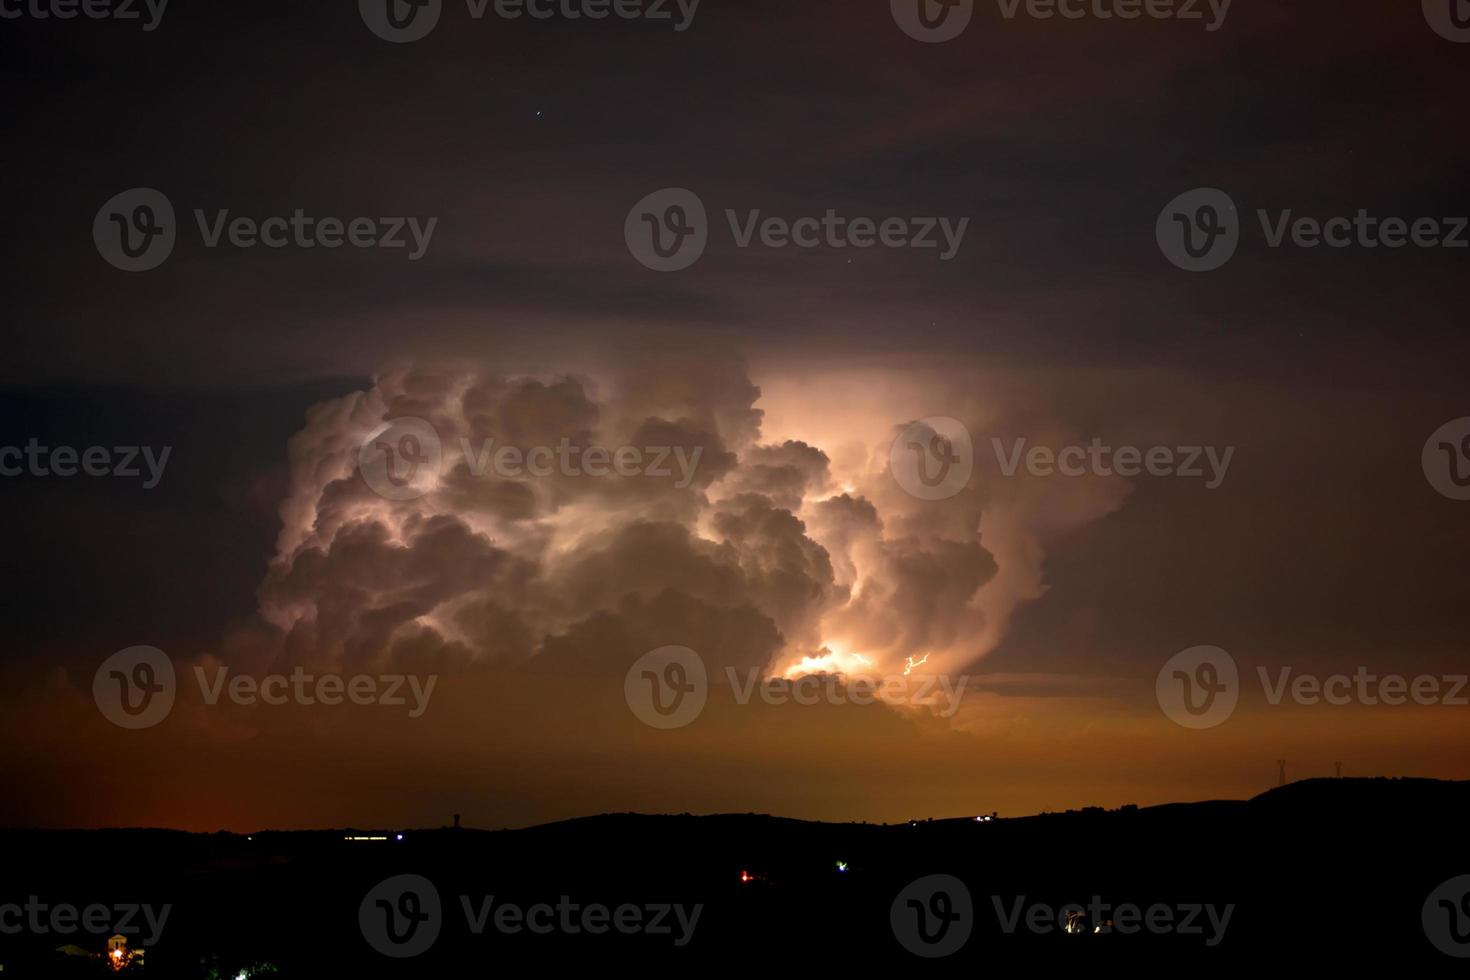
(1324, 548)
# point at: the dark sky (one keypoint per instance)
(1060, 140)
(530, 141)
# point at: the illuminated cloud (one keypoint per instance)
(788, 554)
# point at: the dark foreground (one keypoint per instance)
(1320, 873)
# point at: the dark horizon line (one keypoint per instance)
(711, 816)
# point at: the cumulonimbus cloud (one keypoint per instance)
(793, 553)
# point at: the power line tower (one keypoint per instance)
(1282, 764)
(1339, 769)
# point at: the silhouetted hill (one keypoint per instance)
(1379, 791)
(1321, 872)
